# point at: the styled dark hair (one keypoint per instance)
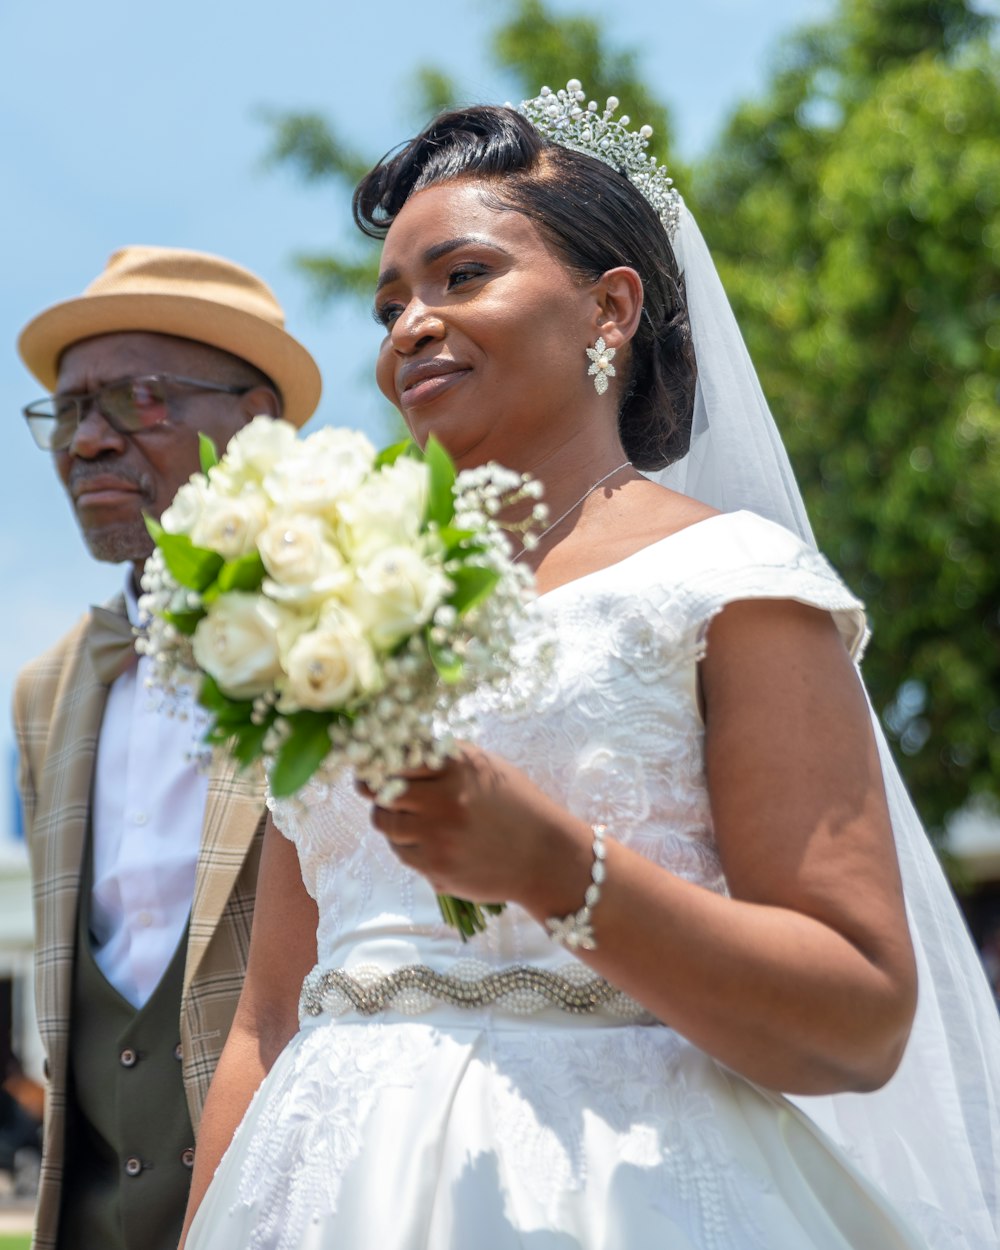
(593, 218)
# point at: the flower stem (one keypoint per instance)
(468, 918)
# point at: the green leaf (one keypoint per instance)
(389, 455)
(245, 573)
(244, 742)
(233, 716)
(184, 622)
(449, 666)
(473, 584)
(210, 696)
(191, 566)
(440, 499)
(301, 753)
(451, 535)
(208, 453)
(457, 542)
(248, 744)
(226, 710)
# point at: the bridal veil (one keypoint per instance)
(931, 1136)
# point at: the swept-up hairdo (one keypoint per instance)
(593, 218)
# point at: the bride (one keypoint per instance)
(707, 949)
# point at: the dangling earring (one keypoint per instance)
(601, 367)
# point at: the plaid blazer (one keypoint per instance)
(58, 706)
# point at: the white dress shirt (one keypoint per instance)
(148, 808)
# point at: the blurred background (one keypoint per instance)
(843, 157)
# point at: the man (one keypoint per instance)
(144, 866)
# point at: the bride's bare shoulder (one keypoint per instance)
(622, 522)
(668, 510)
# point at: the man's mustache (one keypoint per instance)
(88, 470)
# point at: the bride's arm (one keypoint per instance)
(803, 980)
(282, 952)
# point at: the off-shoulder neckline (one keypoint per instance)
(642, 551)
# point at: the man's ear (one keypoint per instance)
(260, 401)
(618, 297)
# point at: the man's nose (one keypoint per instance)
(94, 435)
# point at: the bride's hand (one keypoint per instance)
(479, 829)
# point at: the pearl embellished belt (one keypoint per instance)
(414, 989)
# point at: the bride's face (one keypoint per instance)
(486, 330)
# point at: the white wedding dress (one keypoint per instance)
(512, 1120)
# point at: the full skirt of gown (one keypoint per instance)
(407, 1135)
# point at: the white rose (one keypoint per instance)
(327, 466)
(396, 593)
(302, 562)
(187, 507)
(252, 453)
(385, 511)
(237, 644)
(230, 526)
(329, 666)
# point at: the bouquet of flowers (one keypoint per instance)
(334, 604)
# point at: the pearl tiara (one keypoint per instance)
(562, 117)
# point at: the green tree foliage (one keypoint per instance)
(854, 213)
(313, 149)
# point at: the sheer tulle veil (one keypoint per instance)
(931, 1136)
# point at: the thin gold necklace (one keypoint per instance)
(626, 464)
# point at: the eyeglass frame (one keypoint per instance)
(93, 398)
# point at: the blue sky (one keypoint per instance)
(130, 123)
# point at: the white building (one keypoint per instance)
(17, 999)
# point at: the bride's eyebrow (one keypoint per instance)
(437, 251)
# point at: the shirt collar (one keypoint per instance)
(136, 618)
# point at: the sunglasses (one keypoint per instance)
(129, 405)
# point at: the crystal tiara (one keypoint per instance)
(563, 117)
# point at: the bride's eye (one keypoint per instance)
(385, 314)
(463, 273)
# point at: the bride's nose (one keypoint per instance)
(415, 327)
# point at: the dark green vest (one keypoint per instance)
(129, 1143)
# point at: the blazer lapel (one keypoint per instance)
(59, 834)
(234, 808)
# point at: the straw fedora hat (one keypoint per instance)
(193, 295)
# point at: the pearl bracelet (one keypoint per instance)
(574, 931)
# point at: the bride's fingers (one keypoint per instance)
(431, 797)
(423, 774)
(398, 828)
(425, 777)
(409, 855)
(403, 844)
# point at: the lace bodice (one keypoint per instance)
(613, 732)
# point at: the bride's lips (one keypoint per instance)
(425, 380)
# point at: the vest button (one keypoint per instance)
(46, 1069)
(178, 1052)
(128, 1058)
(133, 1166)
(187, 1157)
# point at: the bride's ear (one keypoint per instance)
(618, 298)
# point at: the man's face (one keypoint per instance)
(113, 478)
